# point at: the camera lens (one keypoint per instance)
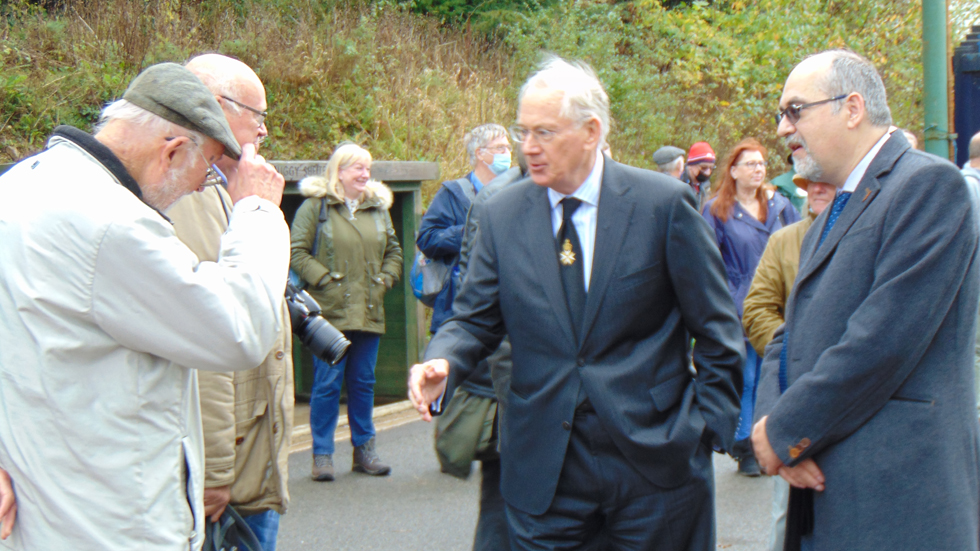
(324, 340)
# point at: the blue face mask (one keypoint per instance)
(501, 162)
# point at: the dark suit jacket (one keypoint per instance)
(880, 329)
(657, 281)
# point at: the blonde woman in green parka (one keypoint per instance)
(357, 259)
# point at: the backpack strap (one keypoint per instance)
(322, 223)
(461, 188)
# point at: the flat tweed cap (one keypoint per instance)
(667, 154)
(174, 93)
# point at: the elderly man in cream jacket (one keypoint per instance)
(100, 305)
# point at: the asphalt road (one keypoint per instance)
(418, 508)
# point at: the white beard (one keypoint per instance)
(172, 188)
(806, 167)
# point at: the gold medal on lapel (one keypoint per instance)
(567, 255)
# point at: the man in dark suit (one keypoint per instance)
(867, 390)
(601, 274)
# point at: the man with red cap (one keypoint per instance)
(700, 163)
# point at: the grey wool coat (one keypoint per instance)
(880, 332)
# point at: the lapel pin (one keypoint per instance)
(867, 193)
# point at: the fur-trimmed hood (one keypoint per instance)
(374, 192)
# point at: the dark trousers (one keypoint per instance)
(602, 502)
(491, 528)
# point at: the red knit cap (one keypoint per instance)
(699, 153)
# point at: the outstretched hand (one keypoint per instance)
(426, 383)
(255, 176)
(8, 505)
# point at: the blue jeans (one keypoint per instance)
(266, 528)
(357, 368)
(750, 385)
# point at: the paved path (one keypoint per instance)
(418, 508)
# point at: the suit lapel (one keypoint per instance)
(613, 220)
(865, 193)
(541, 242)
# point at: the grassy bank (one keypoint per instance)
(409, 88)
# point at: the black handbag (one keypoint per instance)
(230, 533)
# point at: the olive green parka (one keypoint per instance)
(358, 257)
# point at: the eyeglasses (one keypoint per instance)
(498, 149)
(260, 116)
(543, 135)
(753, 164)
(792, 112)
(213, 177)
(704, 166)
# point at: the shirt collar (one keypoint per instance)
(477, 184)
(588, 192)
(854, 178)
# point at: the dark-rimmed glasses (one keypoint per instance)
(792, 112)
(260, 116)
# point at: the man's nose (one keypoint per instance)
(785, 127)
(530, 145)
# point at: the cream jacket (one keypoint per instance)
(248, 415)
(100, 304)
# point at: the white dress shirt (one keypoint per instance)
(854, 178)
(585, 216)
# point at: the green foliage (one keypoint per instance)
(486, 15)
(408, 86)
(714, 72)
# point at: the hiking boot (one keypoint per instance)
(322, 467)
(367, 461)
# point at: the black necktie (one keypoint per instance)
(570, 262)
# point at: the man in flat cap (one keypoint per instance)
(100, 428)
(670, 160)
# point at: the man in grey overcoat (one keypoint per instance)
(866, 403)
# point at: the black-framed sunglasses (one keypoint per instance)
(260, 116)
(792, 112)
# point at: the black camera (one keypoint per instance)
(323, 339)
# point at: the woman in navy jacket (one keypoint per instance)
(744, 211)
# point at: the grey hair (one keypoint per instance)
(479, 137)
(150, 123)
(672, 166)
(975, 146)
(582, 94)
(850, 72)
